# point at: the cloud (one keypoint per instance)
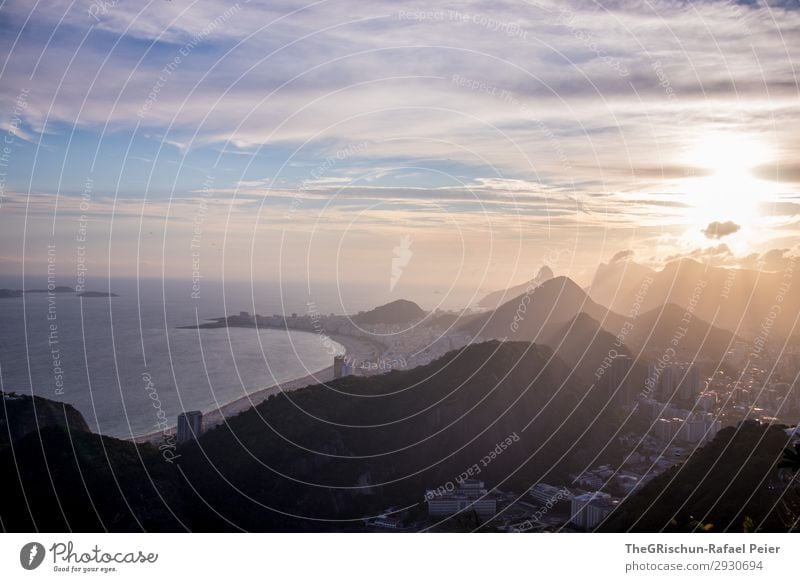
(722, 256)
(783, 172)
(551, 128)
(374, 75)
(718, 230)
(663, 172)
(719, 253)
(772, 260)
(621, 256)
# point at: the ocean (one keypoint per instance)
(121, 360)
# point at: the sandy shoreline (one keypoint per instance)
(360, 349)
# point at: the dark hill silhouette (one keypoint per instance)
(400, 311)
(654, 331)
(616, 282)
(337, 452)
(21, 415)
(553, 303)
(72, 480)
(589, 349)
(729, 298)
(583, 344)
(496, 298)
(719, 486)
(438, 418)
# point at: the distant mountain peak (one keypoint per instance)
(496, 298)
(554, 302)
(394, 312)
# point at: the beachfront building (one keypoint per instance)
(190, 425)
(342, 367)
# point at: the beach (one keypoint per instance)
(356, 348)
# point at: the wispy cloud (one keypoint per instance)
(569, 116)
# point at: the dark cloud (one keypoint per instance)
(666, 172)
(718, 230)
(721, 255)
(782, 172)
(720, 252)
(779, 208)
(661, 203)
(621, 256)
(772, 260)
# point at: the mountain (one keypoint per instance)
(560, 314)
(670, 328)
(553, 303)
(358, 445)
(738, 300)
(62, 477)
(56, 289)
(616, 282)
(496, 298)
(589, 350)
(400, 311)
(731, 484)
(323, 457)
(21, 415)
(70, 480)
(583, 344)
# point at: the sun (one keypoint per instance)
(724, 187)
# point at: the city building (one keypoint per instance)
(342, 367)
(544, 493)
(589, 509)
(589, 480)
(667, 383)
(650, 408)
(651, 384)
(690, 383)
(666, 428)
(619, 379)
(628, 482)
(391, 519)
(699, 428)
(707, 401)
(470, 495)
(190, 425)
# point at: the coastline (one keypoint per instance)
(358, 348)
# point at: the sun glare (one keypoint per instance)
(726, 188)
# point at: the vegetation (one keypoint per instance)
(731, 484)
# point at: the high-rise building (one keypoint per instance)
(667, 383)
(650, 409)
(589, 509)
(794, 396)
(190, 425)
(651, 384)
(699, 428)
(707, 401)
(695, 380)
(619, 379)
(341, 367)
(666, 429)
(690, 383)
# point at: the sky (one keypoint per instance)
(462, 147)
